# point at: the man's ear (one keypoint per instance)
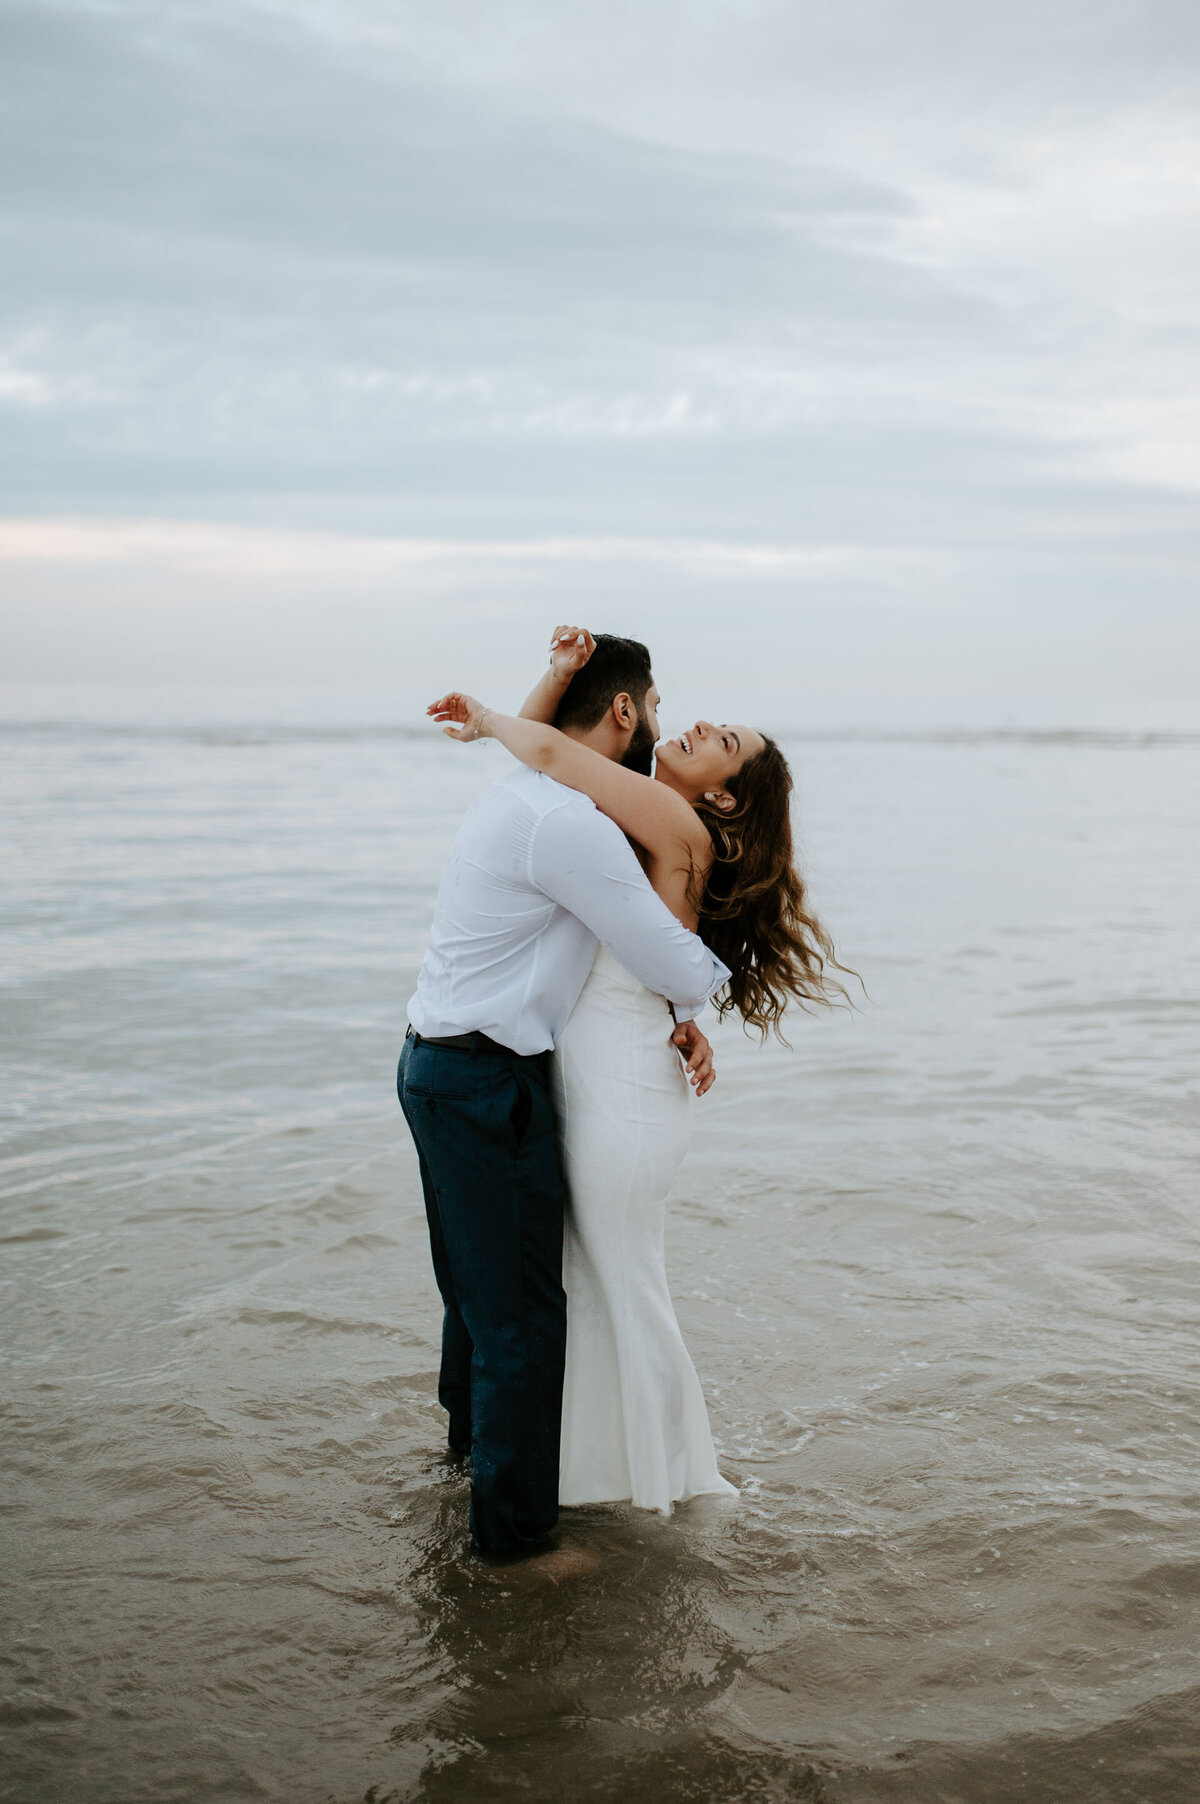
(624, 712)
(720, 798)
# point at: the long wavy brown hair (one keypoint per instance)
(753, 908)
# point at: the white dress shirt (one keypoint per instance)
(535, 877)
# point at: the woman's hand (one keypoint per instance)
(697, 1056)
(570, 649)
(464, 711)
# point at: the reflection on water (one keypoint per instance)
(936, 1265)
(603, 1679)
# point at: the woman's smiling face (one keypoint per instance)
(701, 761)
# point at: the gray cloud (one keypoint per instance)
(915, 277)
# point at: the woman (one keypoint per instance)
(713, 829)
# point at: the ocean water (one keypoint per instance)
(936, 1262)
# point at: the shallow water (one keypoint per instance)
(937, 1266)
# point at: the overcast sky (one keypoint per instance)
(848, 353)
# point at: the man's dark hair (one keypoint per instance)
(616, 667)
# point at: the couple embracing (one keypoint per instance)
(594, 900)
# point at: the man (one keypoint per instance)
(535, 877)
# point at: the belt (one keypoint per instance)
(472, 1042)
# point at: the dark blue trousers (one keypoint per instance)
(488, 1147)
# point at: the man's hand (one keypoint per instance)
(697, 1055)
(570, 649)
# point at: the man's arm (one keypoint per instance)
(653, 814)
(583, 862)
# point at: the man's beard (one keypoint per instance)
(639, 753)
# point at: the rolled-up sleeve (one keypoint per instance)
(582, 861)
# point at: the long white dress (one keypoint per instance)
(634, 1422)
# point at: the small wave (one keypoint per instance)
(246, 735)
(256, 735)
(1112, 739)
(20, 1713)
(1137, 1006)
(364, 1243)
(304, 1319)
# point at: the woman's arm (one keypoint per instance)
(570, 649)
(650, 813)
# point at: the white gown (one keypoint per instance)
(634, 1422)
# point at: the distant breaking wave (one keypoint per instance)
(996, 736)
(279, 733)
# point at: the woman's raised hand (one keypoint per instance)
(570, 649)
(463, 712)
